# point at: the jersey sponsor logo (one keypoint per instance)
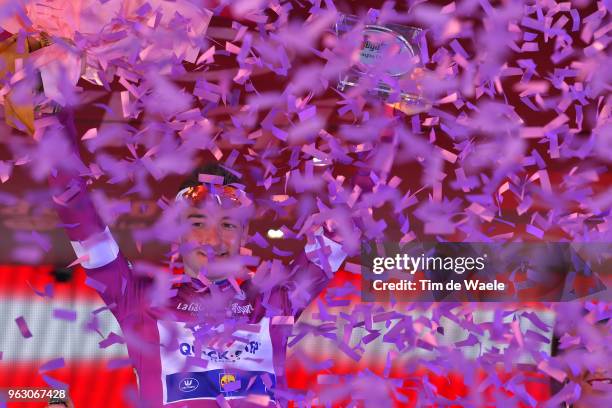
(244, 359)
(188, 384)
(212, 383)
(243, 310)
(190, 307)
(230, 355)
(236, 308)
(227, 382)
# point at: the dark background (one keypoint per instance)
(25, 204)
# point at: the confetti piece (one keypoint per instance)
(53, 383)
(575, 19)
(65, 314)
(259, 240)
(518, 334)
(282, 320)
(463, 151)
(111, 339)
(6, 168)
(48, 291)
(209, 178)
(350, 352)
(23, 327)
(117, 363)
(97, 285)
(52, 365)
(535, 231)
(267, 380)
(222, 402)
(471, 340)
(233, 386)
(555, 373)
(90, 134)
(261, 400)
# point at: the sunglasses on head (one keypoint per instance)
(222, 194)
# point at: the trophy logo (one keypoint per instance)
(380, 43)
(392, 50)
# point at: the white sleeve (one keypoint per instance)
(100, 249)
(336, 257)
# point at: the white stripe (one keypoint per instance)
(54, 338)
(101, 249)
(319, 348)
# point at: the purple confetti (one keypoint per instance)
(52, 365)
(490, 157)
(53, 383)
(119, 363)
(48, 291)
(97, 285)
(222, 402)
(212, 179)
(65, 314)
(111, 339)
(23, 327)
(470, 341)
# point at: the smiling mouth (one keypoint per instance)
(221, 255)
(604, 380)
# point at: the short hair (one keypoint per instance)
(57, 401)
(212, 168)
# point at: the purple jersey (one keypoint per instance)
(171, 367)
(180, 359)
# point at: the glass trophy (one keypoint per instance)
(392, 50)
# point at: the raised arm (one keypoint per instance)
(96, 249)
(92, 241)
(312, 271)
(73, 204)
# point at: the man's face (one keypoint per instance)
(215, 232)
